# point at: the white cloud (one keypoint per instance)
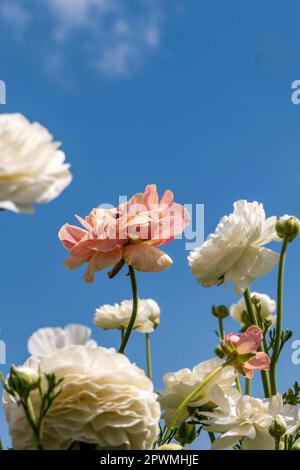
(112, 36)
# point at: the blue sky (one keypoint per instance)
(194, 96)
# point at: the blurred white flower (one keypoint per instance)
(235, 252)
(238, 311)
(32, 169)
(178, 385)
(117, 316)
(45, 341)
(247, 418)
(105, 400)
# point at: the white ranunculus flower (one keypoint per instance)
(47, 340)
(105, 400)
(236, 252)
(178, 385)
(32, 169)
(117, 316)
(238, 311)
(247, 418)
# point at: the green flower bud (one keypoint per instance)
(278, 427)
(170, 447)
(219, 351)
(287, 226)
(23, 379)
(296, 446)
(186, 433)
(220, 311)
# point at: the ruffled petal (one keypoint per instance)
(146, 258)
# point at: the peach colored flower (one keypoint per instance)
(245, 346)
(131, 232)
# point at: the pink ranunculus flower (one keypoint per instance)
(246, 346)
(131, 232)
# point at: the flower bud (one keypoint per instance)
(186, 433)
(22, 379)
(296, 446)
(278, 427)
(219, 351)
(170, 447)
(287, 226)
(220, 311)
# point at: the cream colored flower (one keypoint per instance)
(117, 316)
(236, 252)
(238, 311)
(248, 418)
(45, 341)
(105, 400)
(32, 169)
(178, 385)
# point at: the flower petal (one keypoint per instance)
(260, 362)
(146, 258)
(70, 235)
(101, 261)
(250, 341)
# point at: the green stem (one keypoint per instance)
(248, 387)
(1, 446)
(278, 330)
(195, 392)
(238, 384)
(212, 437)
(221, 329)
(148, 355)
(254, 321)
(134, 310)
(122, 334)
(250, 307)
(37, 430)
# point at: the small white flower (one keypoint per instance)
(32, 169)
(235, 252)
(178, 385)
(238, 311)
(117, 316)
(247, 418)
(105, 400)
(45, 341)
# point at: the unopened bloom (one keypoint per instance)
(131, 232)
(236, 252)
(178, 385)
(248, 418)
(244, 348)
(267, 307)
(117, 316)
(45, 341)
(105, 400)
(170, 446)
(288, 226)
(32, 169)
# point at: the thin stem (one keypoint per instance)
(122, 334)
(221, 329)
(254, 321)
(1, 446)
(195, 392)
(212, 437)
(134, 310)
(148, 355)
(238, 384)
(250, 307)
(276, 347)
(248, 387)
